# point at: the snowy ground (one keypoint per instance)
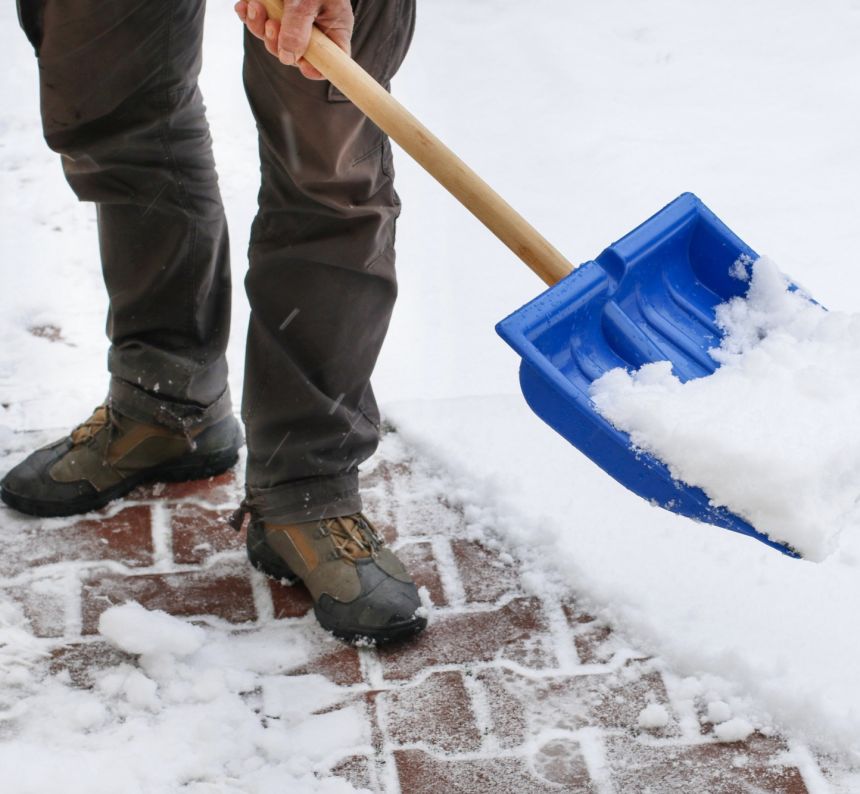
(588, 117)
(155, 640)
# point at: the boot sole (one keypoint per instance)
(396, 633)
(181, 471)
(261, 556)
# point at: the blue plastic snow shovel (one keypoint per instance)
(648, 297)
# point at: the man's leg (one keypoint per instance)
(120, 103)
(322, 286)
(321, 282)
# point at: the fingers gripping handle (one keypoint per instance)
(436, 158)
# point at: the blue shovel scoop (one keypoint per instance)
(648, 297)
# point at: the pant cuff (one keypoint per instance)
(310, 499)
(142, 406)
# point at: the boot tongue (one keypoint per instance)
(85, 431)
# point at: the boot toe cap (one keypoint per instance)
(386, 610)
(29, 485)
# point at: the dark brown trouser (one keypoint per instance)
(120, 103)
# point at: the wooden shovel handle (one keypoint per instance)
(436, 158)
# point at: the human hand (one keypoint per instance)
(287, 38)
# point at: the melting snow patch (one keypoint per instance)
(771, 435)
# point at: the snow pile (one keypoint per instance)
(772, 434)
(653, 717)
(734, 730)
(718, 711)
(137, 630)
(203, 710)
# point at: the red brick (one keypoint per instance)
(199, 532)
(712, 768)
(561, 761)
(575, 615)
(437, 712)
(224, 592)
(377, 736)
(45, 611)
(423, 774)
(592, 646)
(82, 659)
(125, 537)
(290, 601)
(421, 564)
(340, 665)
(515, 631)
(618, 698)
(357, 769)
(486, 578)
(507, 712)
(612, 701)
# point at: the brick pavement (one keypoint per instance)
(506, 691)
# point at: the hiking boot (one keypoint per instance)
(361, 591)
(108, 455)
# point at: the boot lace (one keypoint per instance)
(353, 536)
(87, 430)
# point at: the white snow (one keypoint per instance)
(653, 716)
(588, 118)
(292, 697)
(735, 730)
(20, 652)
(718, 711)
(707, 600)
(134, 686)
(186, 718)
(772, 433)
(134, 629)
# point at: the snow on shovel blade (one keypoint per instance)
(648, 297)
